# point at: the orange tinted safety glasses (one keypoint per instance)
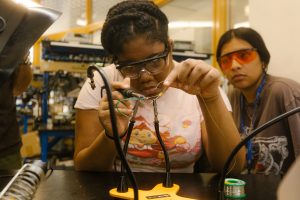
(242, 56)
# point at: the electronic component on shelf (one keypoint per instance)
(24, 184)
(180, 56)
(181, 46)
(183, 50)
(72, 52)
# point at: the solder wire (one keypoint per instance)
(234, 188)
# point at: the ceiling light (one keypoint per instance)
(27, 3)
(81, 22)
(241, 24)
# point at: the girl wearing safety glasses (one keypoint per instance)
(190, 105)
(258, 97)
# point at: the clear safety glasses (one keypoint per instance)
(153, 65)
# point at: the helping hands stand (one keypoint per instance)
(163, 191)
(158, 192)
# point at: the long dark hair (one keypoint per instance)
(249, 35)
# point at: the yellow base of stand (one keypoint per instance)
(158, 192)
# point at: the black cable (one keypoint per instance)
(113, 119)
(167, 182)
(243, 142)
(123, 187)
(112, 138)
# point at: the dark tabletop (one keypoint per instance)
(72, 185)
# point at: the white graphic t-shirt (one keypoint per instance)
(179, 116)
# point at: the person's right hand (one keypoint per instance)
(195, 77)
(123, 110)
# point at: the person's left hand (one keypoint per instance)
(22, 76)
(195, 77)
(26, 60)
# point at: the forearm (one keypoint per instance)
(93, 150)
(222, 134)
(99, 156)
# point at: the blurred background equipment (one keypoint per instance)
(72, 52)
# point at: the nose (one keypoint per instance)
(144, 72)
(144, 76)
(235, 64)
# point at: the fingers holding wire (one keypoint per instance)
(121, 106)
(211, 80)
(184, 74)
(123, 110)
(206, 78)
(184, 70)
(193, 76)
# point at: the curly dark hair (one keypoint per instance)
(130, 19)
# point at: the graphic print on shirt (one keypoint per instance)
(270, 153)
(144, 147)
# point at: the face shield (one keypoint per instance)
(20, 28)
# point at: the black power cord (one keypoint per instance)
(90, 74)
(243, 142)
(167, 181)
(123, 187)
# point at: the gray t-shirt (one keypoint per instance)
(275, 148)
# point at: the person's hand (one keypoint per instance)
(22, 76)
(123, 109)
(195, 77)
(26, 59)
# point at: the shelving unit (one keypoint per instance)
(180, 56)
(68, 57)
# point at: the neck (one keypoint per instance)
(250, 92)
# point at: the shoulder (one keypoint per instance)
(234, 95)
(280, 85)
(283, 91)
(89, 97)
(113, 73)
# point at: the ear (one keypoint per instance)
(171, 44)
(264, 67)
